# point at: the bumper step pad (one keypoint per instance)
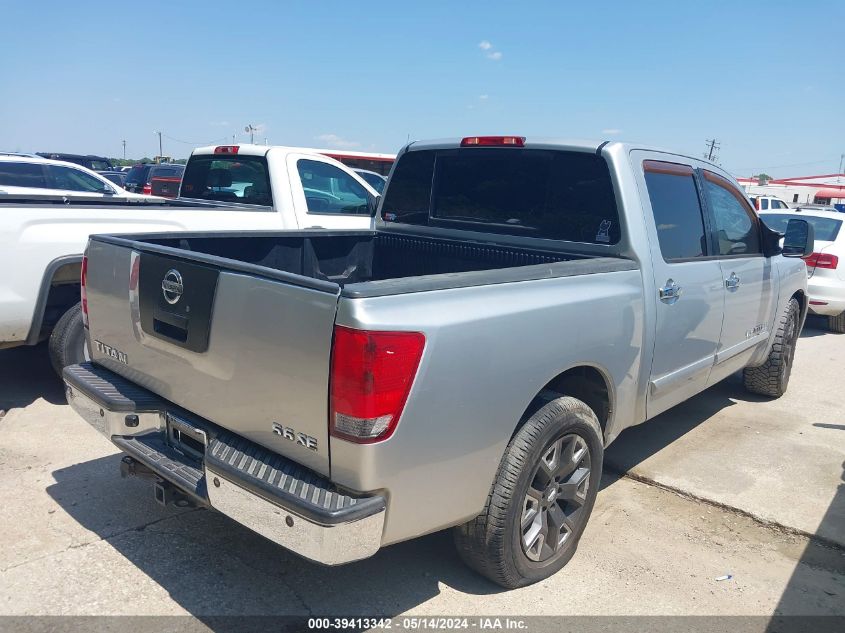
(278, 479)
(275, 478)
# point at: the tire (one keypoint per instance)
(772, 377)
(500, 542)
(67, 344)
(837, 323)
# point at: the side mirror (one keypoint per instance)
(109, 191)
(799, 239)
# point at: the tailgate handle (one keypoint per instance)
(173, 326)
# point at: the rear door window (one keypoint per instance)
(227, 178)
(676, 206)
(561, 195)
(22, 175)
(72, 179)
(329, 189)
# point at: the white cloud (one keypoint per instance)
(483, 97)
(333, 140)
(611, 130)
(489, 51)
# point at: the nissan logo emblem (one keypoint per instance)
(171, 286)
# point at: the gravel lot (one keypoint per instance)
(726, 484)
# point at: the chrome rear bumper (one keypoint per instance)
(271, 495)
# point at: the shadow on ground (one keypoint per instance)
(815, 326)
(816, 556)
(211, 565)
(638, 443)
(27, 375)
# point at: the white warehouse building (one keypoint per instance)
(823, 189)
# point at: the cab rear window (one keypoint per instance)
(559, 195)
(227, 178)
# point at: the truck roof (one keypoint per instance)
(578, 145)
(248, 149)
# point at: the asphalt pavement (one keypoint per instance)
(724, 485)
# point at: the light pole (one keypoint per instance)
(160, 152)
(124, 149)
(252, 130)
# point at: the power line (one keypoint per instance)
(813, 162)
(196, 143)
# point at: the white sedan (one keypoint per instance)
(33, 175)
(826, 266)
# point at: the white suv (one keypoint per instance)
(826, 266)
(33, 175)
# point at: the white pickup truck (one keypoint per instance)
(224, 188)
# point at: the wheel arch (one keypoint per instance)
(57, 274)
(587, 382)
(803, 302)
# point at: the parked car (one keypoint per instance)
(463, 365)
(376, 181)
(117, 177)
(41, 299)
(22, 175)
(764, 203)
(94, 163)
(826, 278)
(140, 179)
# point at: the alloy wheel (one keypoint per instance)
(552, 507)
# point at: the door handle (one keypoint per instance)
(732, 282)
(670, 293)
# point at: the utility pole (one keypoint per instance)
(160, 152)
(712, 150)
(124, 149)
(841, 161)
(713, 146)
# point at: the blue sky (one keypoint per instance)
(767, 79)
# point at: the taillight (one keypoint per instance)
(493, 141)
(83, 281)
(822, 260)
(147, 190)
(226, 149)
(371, 377)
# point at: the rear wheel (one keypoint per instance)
(837, 323)
(67, 344)
(772, 377)
(541, 499)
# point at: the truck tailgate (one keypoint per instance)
(244, 351)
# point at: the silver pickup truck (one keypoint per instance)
(463, 365)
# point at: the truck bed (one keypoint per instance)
(215, 320)
(371, 263)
